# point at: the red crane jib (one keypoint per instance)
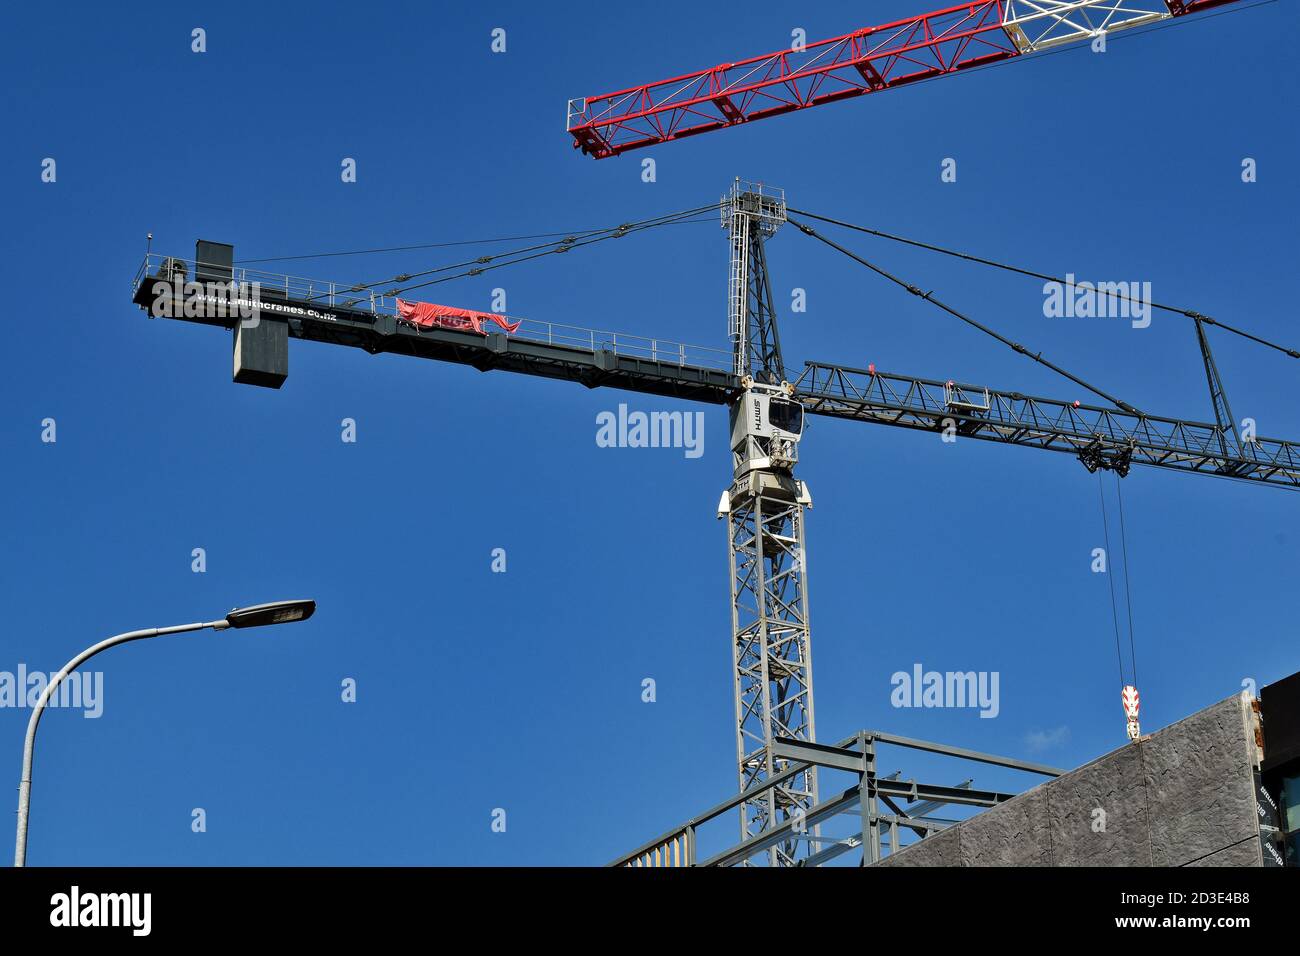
(969, 35)
(427, 315)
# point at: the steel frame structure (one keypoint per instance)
(868, 60)
(875, 802)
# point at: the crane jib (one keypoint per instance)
(868, 60)
(1100, 437)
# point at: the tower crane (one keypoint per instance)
(763, 506)
(955, 39)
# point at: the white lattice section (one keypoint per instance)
(1041, 24)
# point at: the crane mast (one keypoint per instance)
(764, 512)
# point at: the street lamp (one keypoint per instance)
(279, 612)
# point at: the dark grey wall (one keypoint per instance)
(1183, 796)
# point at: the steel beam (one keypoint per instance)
(965, 754)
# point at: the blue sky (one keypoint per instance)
(522, 690)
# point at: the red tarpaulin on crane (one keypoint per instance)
(427, 315)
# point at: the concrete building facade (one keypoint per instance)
(1187, 795)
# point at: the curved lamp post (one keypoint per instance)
(279, 612)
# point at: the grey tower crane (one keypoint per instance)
(764, 504)
(764, 512)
